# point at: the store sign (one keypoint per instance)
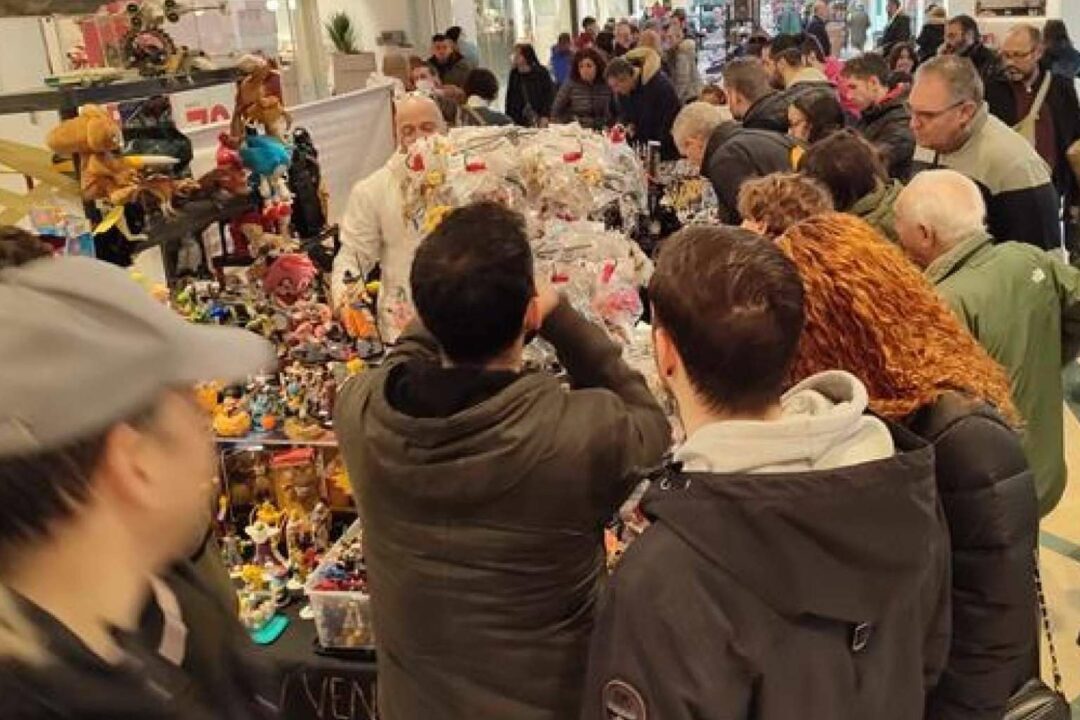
(205, 106)
(320, 695)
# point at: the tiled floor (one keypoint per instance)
(1061, 556)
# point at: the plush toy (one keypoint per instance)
(258, 98)
(289, 278)
(95, 137)
(268, 159)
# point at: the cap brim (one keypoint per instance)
(207, 352)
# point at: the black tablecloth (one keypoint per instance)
(319, 687)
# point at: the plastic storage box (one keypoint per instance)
(342, 617)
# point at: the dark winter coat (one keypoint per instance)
(1064, 60)
(484, 497)
(736, 154)
(985, 60)
(898, 30)
(988, 494)
(1021, 200)
(1062, 104)
(651, 107)
(816, 28)
(591, 105)
(817, 595)
(529, 96)
(768, 113)
(455, 71)
(208, 672)
(888, 126)
(931, 38)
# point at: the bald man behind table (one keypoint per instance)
(940, 220)
(374, 229)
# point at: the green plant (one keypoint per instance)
(342, 33)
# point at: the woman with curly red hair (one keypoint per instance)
(869, 311)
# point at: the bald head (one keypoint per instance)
(415, 117)
(938, 210)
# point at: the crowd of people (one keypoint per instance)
(863, 357)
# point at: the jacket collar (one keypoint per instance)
(809, 75)
(955, 259)
(982, 116)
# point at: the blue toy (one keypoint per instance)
(268, 159)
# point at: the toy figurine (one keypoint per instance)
(230, 551)
(320, 527)
(263, 536)
(258, 98)
(95, 137)
(231, 419)
(289, 278)
(253, 577)
(268, 160)
(255, 611)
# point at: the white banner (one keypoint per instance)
(353, 133)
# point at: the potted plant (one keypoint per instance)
(351, 67)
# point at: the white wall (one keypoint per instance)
(374, 17)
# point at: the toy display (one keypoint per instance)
(258, 99)
(338, 594)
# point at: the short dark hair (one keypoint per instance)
(848, 165)
(866, 66)
(894, 3)
(438, 37)
(588, 54)
(789, 48)
(822, 110)
(472, 281)
(482, 83)
(453, 33)
(587, 21)
(619, 68)
(748, 77)
(898, 50)
(18, 247)
(732, 302)
(967, 23)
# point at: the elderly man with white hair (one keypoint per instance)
(729, 154)
(375, 230)
(1022, 304)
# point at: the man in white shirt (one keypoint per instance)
(374, 229)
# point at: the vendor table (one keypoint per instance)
(319, 687)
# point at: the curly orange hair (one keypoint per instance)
(870, 311)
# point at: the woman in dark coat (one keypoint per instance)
(585, 97)
(531, 90)
(862, 295)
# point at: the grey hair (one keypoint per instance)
(946, 202)
(698, 119)
(959, 74)
(1034, 34)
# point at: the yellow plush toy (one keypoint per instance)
(95, 137)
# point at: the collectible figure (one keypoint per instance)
(231, 419)
(264, 536)
(320, 527)
(95, 138)
(258, 98)
(289, 279)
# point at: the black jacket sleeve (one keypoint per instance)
(515, 105)
(1027, 215)
(988, 494)
(546, 88)
(727, 171)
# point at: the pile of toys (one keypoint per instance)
(576, 189)
(338, 594)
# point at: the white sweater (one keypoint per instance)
(374, 230)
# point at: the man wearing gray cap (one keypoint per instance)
(106, 470)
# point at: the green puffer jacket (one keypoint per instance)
(1023, 305)
(877, 208)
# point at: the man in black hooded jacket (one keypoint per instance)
(796, 565)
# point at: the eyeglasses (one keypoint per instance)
(1017, 55)
(925, 116)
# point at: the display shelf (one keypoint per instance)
(68, 99)
(193, 218)
(275, 440)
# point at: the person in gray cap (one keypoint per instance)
(106, 470)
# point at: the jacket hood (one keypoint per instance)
(472, 455)
(823, 425)
(647, 59)
(878, 205)
(809, 75)
(769, 113)
(831, 543)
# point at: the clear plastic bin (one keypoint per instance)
(342, 618)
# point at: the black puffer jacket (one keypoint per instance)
(768, 113)
(988, 494)
(736, 154)
(888, 126)
(590, 104)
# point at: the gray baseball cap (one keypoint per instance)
(82, 346)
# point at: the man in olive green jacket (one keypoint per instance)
(1021, 303)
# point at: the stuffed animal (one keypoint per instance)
(268, 159)
(258, 100)
(95, 137)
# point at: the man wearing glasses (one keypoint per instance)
(955, 130)
(374, 229)
(1040, 106)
